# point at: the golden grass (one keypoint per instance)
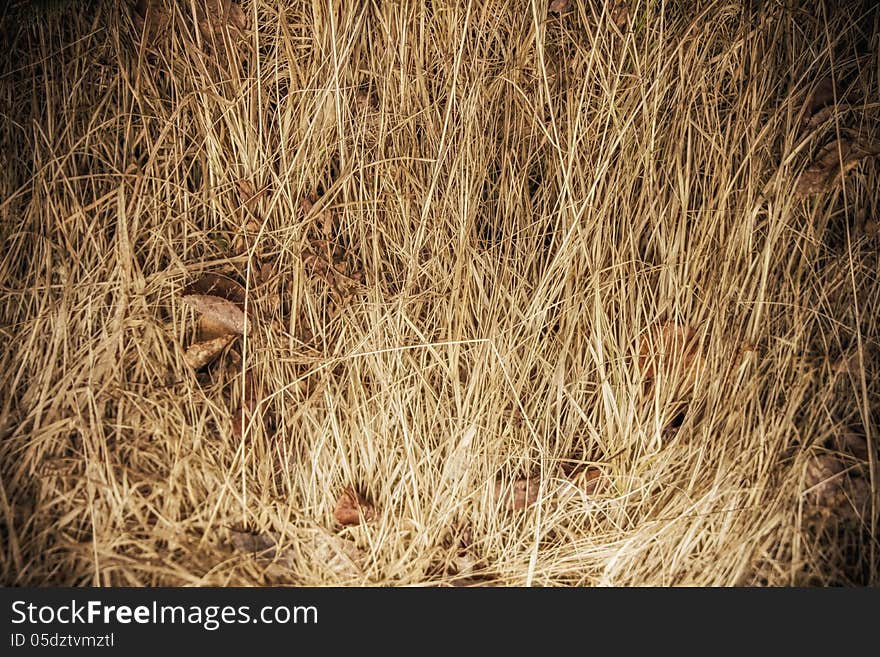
(527, 195)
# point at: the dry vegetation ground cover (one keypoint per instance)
(439, 292)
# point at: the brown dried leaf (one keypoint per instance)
(521, 494)
(352, 508)
(200, 354)
(559, 6)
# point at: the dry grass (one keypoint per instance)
(527, 195)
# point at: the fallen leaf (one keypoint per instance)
(352, 508)
(559, 6)
(200, 354)
(519, 495)
(832, 162)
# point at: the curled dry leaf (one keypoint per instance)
(833, 162)
(352, 508)
(200, 354)
(518, 495)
